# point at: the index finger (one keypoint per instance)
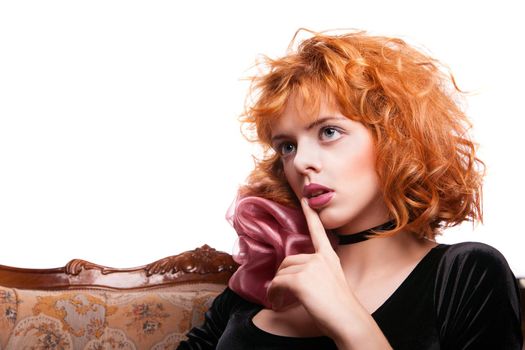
(315, 226)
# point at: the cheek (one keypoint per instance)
(293, 180)
(362, 165)
(363, 158)
(359, 171)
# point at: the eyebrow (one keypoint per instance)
(308, 127)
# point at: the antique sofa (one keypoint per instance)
(88, 306)
(92, 307)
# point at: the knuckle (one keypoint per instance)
(301, 279)
(287, 260)
(319, 258)
(276, 281)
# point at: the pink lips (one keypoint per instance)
(324, 195)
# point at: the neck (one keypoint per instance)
(381, 254)
(361, 236)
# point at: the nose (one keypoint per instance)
(307, 158)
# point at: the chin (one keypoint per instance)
(332, 220)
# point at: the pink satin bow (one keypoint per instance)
(268, 232)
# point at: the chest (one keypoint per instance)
(292, 322)
(377, 289)
(297, 322)
(406, 318)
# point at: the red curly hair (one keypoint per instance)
(429, 174)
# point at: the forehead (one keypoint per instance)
(299, 111)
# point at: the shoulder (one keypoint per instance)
(228, 302)
(473, 267)
(470, 248)
(473, 255)
(476, 298)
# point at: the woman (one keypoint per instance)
(366, 160)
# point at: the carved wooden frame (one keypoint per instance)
(202, 265)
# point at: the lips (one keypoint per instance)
(317, 195)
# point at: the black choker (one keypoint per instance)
(366, 234)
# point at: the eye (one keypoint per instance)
(329, 133)
(285, 148)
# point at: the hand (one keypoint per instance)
(316, 280)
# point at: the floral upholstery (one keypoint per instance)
(94, 319)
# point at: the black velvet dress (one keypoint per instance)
(461, 296)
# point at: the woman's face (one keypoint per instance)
(330, 160)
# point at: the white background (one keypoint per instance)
(119, 140)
